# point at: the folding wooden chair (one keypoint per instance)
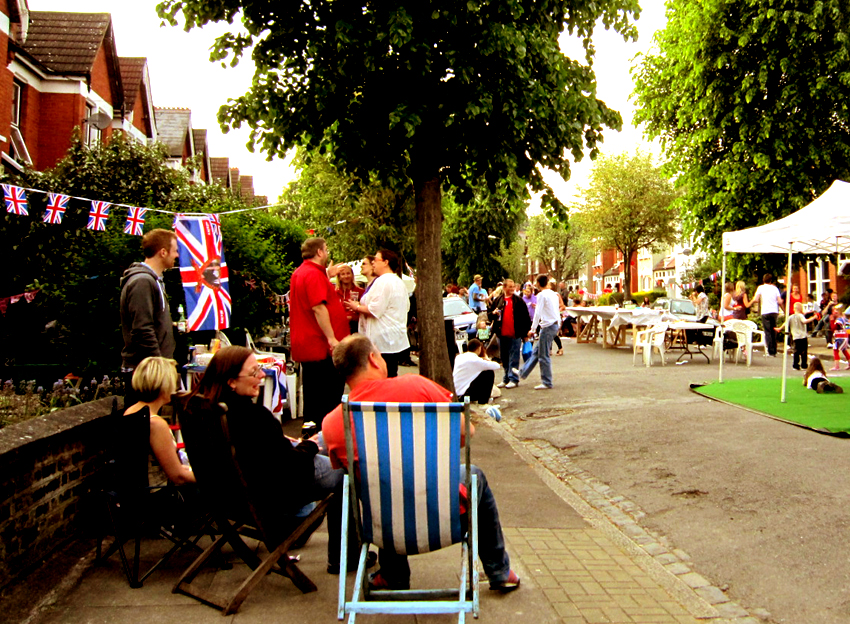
(220, 478)
(136, 509)
(407, 481)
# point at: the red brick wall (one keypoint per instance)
(101, 77)
(139, 114)
(59, 114)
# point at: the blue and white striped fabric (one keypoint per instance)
(409, 463)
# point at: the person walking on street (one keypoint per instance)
(145, 315)
(771, 302)
(511, 323)
(547, 316)
(318, 322)
(384, 307)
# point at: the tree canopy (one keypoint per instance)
(434, 94)
(749, 99)
(628, 205)
(564, 245)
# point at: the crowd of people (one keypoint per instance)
(340, 334)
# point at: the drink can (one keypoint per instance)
(309, 429)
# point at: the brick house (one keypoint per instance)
(139, 119)
(63, 73)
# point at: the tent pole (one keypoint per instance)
(787, 322)
(723, 292)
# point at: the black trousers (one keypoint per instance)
(801, 352)
(481, 387)
(322, 389)
(392, 360)
(768, 322)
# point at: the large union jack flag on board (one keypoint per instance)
(204, 272)
(16, 199)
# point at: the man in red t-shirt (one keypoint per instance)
(317, 322)
(365, 371)
(511, 323)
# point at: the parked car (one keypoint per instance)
(464, 319)
(680, 308)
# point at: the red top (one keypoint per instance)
(404, 389)
(345, 295)
(508, 318)
(794, 300)
(310, 286)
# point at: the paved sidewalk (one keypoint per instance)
(576, 567)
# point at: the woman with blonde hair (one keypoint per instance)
(155, 380)
(726, 302)
(740, 303)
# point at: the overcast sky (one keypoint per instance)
(182, 76)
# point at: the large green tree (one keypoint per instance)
(563, 245)
(355, 218)
(628, 205)
(750, 102)
(434, 94)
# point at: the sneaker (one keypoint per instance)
(508, 585)
(542, 387)
(501, 384)
(835, 368)
(377, 581)
(511, 384)
(515, 371)
(371, 560)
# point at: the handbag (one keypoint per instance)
(527, 349)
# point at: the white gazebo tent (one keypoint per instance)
(822, 227)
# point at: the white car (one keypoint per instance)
(464, 319)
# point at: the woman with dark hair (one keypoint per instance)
(282, 475)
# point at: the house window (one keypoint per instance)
(93, 133)
(18, 149)
(818, 277)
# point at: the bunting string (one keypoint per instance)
(15, 198)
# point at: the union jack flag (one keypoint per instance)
(56, 206)
(135, 221)
(16, 199)
(204, 272)
(98, 215)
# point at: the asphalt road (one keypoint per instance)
(760, 506)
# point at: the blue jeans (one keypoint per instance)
(491, 541)
(542, 354)
(509, 350)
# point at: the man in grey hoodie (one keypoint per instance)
(145, 316)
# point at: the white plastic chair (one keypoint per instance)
(748, 337)
(648, 339)
(719, 336)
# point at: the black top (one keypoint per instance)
(522, 321)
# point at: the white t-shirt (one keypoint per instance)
(815, 375)
(768, 295)
(467, 367)
(547, 310)
(388, 302)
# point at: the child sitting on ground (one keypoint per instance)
(839, 338)
(797, 322)
(815, 379)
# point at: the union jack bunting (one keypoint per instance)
(204, 272)
(16, 199)
(98, 215)
(135, 221)
(56, 206)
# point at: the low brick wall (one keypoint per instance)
(48, 466)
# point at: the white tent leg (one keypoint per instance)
(787, 323)
(722, 291)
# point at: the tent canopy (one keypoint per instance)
(822, 227)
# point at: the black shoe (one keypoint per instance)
(371, 560)
(795, 367)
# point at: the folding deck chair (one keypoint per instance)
(136, 509)
(213, 457)
(407, 480)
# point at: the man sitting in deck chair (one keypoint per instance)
(365, 371)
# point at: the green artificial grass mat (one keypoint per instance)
(825, 413)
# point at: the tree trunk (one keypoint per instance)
(434, 354)
(627, 272)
